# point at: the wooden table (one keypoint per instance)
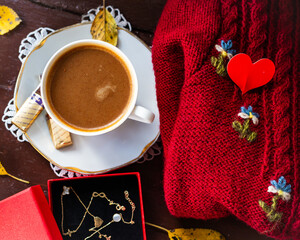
(23, 161)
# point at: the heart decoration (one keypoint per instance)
(248, 75)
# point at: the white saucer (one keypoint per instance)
(102, 153)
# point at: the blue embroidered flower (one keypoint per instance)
(283, 191)
(281, 188)
(281, 185)
(227, 47)
(248, 113)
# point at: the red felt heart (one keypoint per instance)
(248, 75)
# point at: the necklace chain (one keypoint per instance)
(97, 220)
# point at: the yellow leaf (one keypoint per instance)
(109, 33)
(191, 233)
(8, 19)
(195, 234)
(3, 172)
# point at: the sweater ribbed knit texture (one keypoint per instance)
(209, 171)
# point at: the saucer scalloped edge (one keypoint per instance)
(99, 154)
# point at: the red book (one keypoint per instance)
(26, 215)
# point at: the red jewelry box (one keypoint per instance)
(26, 215)
(69, 211)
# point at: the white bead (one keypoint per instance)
(117, 217)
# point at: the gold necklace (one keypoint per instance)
(117, 217)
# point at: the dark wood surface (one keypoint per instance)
(23, 161)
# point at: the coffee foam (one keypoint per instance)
(103, 92)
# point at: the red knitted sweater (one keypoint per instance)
(210, 171)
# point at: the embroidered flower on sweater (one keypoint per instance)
(248, 113)
(244, 129)
(281, 188)
(282, 191)
(225, 49)
(220, 62)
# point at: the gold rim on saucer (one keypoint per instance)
(42, 42)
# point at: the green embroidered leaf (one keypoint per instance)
(252, 137)
(213, 61)
(271, 213)
(219, 64)
(275, 201)
(264, 206)
(246, 128)
(237, 126)
(274, 217)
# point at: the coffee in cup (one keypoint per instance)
(89, 87)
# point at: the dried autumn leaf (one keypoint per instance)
(109, 33)
(9, 19)
(195, 234)
(3, 172)
(191, 233)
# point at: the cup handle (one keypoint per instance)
(142, 114)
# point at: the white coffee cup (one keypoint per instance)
(132, 111)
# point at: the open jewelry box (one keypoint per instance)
(108, 207)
